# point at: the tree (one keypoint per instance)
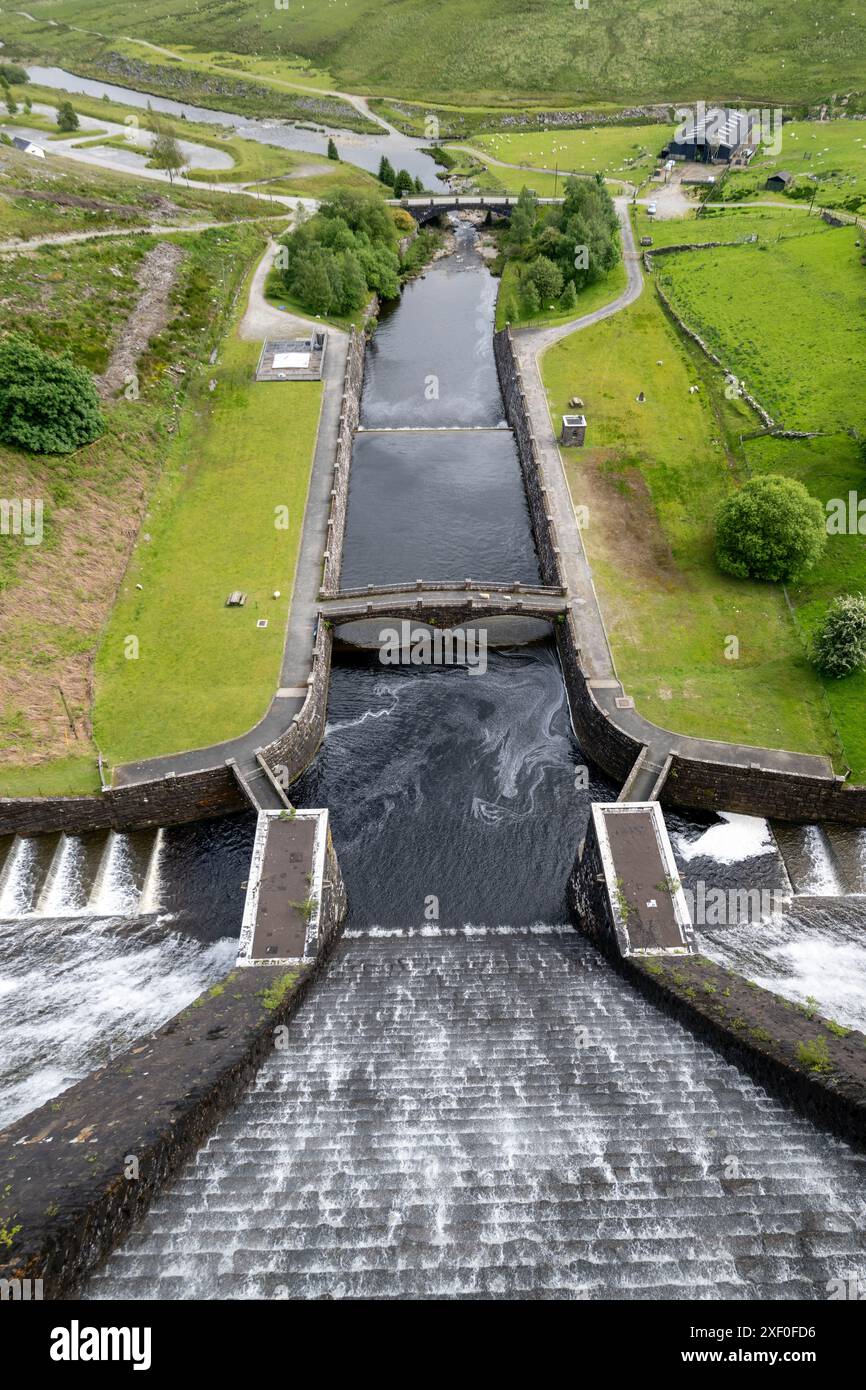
(165, 153)
(47, 404)
(522, 220)
(386, 171)
(403, 183)
(568, 300)
(11, 105)
(333, 152)
(313, 284)
(66, 116)
(772, 529)
(547, 279)
(839, 646)
(419, 184)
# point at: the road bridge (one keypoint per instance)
(445, 605)
(425, 206)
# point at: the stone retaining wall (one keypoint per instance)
(698, 784)
(350, 410)
(518, 417)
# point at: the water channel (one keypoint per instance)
(433, 1129)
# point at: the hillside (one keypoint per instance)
(623, 51)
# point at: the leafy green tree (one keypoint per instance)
(333, 152)
(47, 404)
(772, 529)
(165, 153)
(403, 183)
(386, 171)
(11, 105)
(313, 284)
(546, 277)
(354, 284)
(66, 116)
(568, 299)
(419, 184)
(522, 220)
(839, 646)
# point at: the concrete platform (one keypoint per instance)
(293, 359)
(627, 886)
(285, 889)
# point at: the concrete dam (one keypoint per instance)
(471, 1102)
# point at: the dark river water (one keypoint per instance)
(457, 797)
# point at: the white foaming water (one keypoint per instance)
(18, 884)
(151, 891)
(733, 838)
(64, 894)
(821, 877)
(435, 1130)
(115, 892)
(821, 957)
(77, 991)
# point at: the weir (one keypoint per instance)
(471, 1101)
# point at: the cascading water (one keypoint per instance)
(86, 965)
(498, 1115)
(76, 991)
(473, 1103)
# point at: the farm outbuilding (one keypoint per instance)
(711, 137)
(780, 181)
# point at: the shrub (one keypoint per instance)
(333, 152)
(770, 529)
(47, 404)
(839, 646)
(66, 117)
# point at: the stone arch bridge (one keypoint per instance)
(424, 206)
(442, 604)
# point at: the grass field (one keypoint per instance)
(827, 158)
(787, 318)
(652, 476)
(204, 672)
(830, 468)
(62, 195)
(626, 152)
(510, 310)
(722, 224)
(55, 597)
(481, 51)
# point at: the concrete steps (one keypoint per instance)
(471, 1118)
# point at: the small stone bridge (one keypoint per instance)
(424, 206)
(444, 605)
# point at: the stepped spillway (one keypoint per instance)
(495, 1114)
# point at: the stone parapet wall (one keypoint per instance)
(518, 417)
(350, 410)
(171, 800)
(750, 789)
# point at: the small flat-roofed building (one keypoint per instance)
(293, 359)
